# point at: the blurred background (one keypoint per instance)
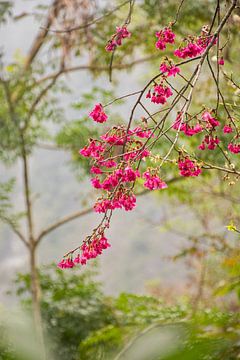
(169, 286)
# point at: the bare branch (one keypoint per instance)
(61, 222)
(15, 229)
(39, 40)
(84, 26)
(78, 214)
(97, 68)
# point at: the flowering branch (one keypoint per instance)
(124, 155)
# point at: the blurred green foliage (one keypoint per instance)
(83, 323)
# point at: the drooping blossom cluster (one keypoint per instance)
(188, 167)
(234, 148)
(210, 142)
(116, 40)
(227, 129)
(116, 155)
(159, 94)
(184, 127)
(87, 251)
(164, 36)
(195, 46)
(169, 70)
(207, 123)
(211, 122)
(221, 61)
(98, 114)
(153, 181)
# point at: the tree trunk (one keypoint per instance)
(36, 298)
(32, 247)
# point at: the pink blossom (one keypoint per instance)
(160, 94)
(153, 181)
(121, 200)
(87, 251)
(171, 70)
(95, 170)
(209, 141)
(211, 121)
(138, 154)
(113, 139)
(234, 148)
(92, 150)
(127, 201)
(221, 61)
(121, 33)
(98, 114)
(66, 264)
(111, 180)
(227, 129)
(107, 163)
(188, 167)
(184, 127)
(165, 36)
(190, 131)
(190, 51)
(194, 47)
(142, 133)
(130, 174)
(96, 183)
(102, 206)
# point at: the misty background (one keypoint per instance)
(140, 246)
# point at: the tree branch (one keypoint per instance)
(39, 40)
(84, 26)
(14, 229)
(61, 222)
(78, 214)
(96, 68)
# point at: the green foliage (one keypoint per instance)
(5, 10)
(7, 213)
(82, 323)
(73, 305)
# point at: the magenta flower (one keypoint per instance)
(164, 36)
(153, 181)
(188, 167)
(227, 129)
(171, 70)
(234, 148)
(98, 115)
(116, 40)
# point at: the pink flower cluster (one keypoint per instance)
(170, 70)
(116, 178)
(122, 199)
(221, 61)
(188, 167)
(115, 156)
(210, 120)
(194, 47)
(210, 142)
(98, 114)
(87, 251)
(185, 127)
(116, 40)
(159, 94)
(164, 36)
(227, 129)
(153, 181)
(234, 148)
